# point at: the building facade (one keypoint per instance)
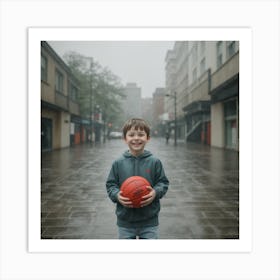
(147, 109)
(205, 77)
(225, 99)
(131, 104)
(60, 113)
(158, 112)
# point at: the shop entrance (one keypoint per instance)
(46, 134)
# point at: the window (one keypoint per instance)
(230, 109)
(194, 74)
(202, 47)
(44, 68)
(202, 66)
(73, 93)
(194, 54)
(230, 48)
(219, 53)
(58, 81)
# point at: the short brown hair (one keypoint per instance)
(137, 124)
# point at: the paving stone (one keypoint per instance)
(202, 201)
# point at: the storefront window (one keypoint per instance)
(231, 132)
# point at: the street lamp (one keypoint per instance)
(175, 115)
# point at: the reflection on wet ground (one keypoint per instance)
(202, 201)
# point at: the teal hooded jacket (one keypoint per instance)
(147, 166)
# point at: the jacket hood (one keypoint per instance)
(145, 154)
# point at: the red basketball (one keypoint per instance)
(134, 188)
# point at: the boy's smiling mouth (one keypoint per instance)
(137, 144)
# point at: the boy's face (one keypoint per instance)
(136, 140)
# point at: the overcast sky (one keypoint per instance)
(140, 62)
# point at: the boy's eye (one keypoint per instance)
(138, 134)
(130, 134)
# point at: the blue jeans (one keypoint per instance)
(141, 233)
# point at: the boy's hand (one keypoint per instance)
(125, 201)
(148, 198)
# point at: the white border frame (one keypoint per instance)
(243, 35)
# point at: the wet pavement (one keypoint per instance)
(202, 201)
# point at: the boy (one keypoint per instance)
(137, 222)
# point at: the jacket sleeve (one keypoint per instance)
(161, 181)
(112, 183)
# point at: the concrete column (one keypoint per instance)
(217, 125)
(65, 129)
